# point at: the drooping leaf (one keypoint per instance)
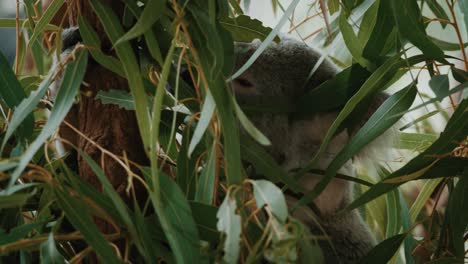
(245, 29)
(378, 123)
(154, 10)
(229, 223)
(72, 77)
(48, 15)
(439, 85)
(256, 134)
(266, 42)
(91, 39)
(49, 252)
(458, 216)
(378, 79)
(407, 18)
(76, 213)
(25, 108)
(12, 94)
(415, 141)
(464, 9)
(333, 6)
(447, 46)
(439, 11)
(352, 42)
(268, 194)
(117, 97)
(205, 119)
(206, 183)
(455, 131)
(126, 55)
(384, 251)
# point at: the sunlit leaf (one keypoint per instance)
(268, 194)
(245, 29)
(229, 222)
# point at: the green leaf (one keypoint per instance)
(384, 251)
(333, 6)
(204, 121)
(120, 98)
(186, 167)
(249, 127)
(183, 227)
(205, 218)
(72, 77)
(439, 11)
(419, 119)
(455, 131)
(415, 141)
(206, 183)
(15, 200)
(439, 85)
(335, 92)
(381, 32)
(459, 75)
(76, 213)
(393, 213)
(91, 40)
(266, 42)
(19, 232)
(378, 123)
(49, 252)
(51, 11)
(130, 65)
(424, 194)
(154, 10)
(26, 107)
(268, 194)
(448, 46)
(266, 166)
(117, 201)
(352, 42)
(11, 23)
(377, 80)
(464, 9)
(407, 18)
(229, 223)
(458, 215)
(245, 29)
(12, 94)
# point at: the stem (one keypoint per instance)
(17, 37)
(460, 40)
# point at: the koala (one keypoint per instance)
(281, 73)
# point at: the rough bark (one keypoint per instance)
(111, 127)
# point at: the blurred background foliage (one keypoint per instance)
(191, 199)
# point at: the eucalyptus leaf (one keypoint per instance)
(268, 194)
(12, 94)
(72, 77)
(245, 29)
(229, 223)
(439, 85)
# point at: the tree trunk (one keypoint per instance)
(109, 126)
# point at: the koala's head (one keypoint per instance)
(280, 76)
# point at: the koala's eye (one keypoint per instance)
(243, 82)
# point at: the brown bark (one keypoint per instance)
(109, 126)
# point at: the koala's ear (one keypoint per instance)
(364, 111)
(70, 37)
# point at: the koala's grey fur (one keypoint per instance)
(281, 72)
